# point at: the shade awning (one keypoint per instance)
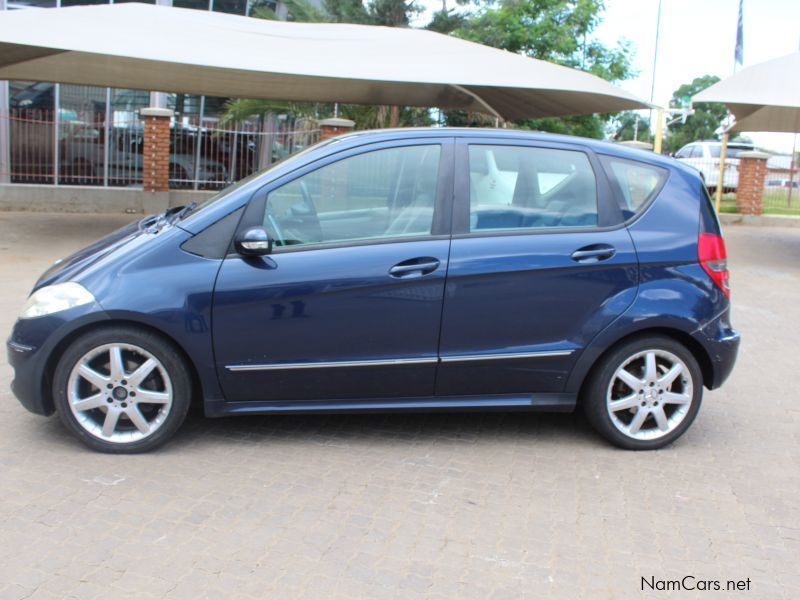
(139, 46)
(764, 97)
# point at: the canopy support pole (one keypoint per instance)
(791, 172)
(659, 138)
(480, 100)
(5, 127)
(721, 176)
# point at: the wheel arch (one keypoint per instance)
(586, 364)
(58, 351)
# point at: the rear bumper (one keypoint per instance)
(721, 342)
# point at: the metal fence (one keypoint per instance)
(781, 185)
(103, 147)
(72, 148)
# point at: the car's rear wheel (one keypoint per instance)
(122, 389)
(644, 394)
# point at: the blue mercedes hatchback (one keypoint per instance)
(400, 270)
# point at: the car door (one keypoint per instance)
(348, 305)
(539, 264)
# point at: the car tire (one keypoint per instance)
(636, 410)
(122, 389)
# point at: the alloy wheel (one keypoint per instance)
(650, 394)
(119, 393)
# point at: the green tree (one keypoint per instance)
(701, 125)
(554, 30)
(630, 125)
(446, 21)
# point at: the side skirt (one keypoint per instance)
(499, 403)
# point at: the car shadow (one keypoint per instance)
(355, 430)
(388, 428)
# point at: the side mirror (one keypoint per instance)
(253, 242)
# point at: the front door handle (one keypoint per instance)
(414, 267)
(593, 253)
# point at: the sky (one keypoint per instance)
(697, 38)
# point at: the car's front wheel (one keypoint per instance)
(645, 393)
(122, 389)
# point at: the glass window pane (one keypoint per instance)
(196, 4)
(125, 148)
(380, 194)
(81, 134)
(66, 3)
(32, 131)
(234, 7)
(732, 151)
(637, 182)
(22, 4)
(513, 187)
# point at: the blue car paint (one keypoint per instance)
(143, 276)
(300, 307)
(523, 293)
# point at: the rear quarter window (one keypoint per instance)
(636, 182)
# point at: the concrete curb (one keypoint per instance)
(760, 220)
(77, 199)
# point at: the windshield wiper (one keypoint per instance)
(182, 212)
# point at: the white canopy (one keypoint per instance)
(764, 97)
(148, 47)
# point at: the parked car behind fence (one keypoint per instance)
(705, 157)
(86, 150)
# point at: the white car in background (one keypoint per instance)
(704, 156)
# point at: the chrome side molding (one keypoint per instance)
(390, 362)
(336, 364)
(503, 356)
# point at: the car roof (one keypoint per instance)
(358, 138)
(717, 143)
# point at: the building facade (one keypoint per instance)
(81, 135)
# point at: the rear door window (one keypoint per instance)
(519, 187)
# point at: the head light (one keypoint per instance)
(55, 298)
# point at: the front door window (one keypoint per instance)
(386, 193)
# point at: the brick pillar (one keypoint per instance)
(329, 128)
(750, 189)
(155, 149)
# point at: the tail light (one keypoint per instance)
(714, 259)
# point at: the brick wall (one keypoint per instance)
(329, 128)
(155, 149)
(750, 189)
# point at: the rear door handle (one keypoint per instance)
(415, 267)
(593, 253)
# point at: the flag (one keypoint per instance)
(739, 51)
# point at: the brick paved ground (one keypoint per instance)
(451, 506)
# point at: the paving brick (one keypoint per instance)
(407, 506)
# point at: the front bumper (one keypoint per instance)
(31, 347)
(29, 380)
